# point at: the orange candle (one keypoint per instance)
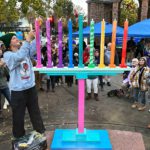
(113, 46)
(101, 65)
(124, 47)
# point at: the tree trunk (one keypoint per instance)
(139, 10)
(148, 10)
(119, 13)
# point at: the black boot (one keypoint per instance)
(88, 96)
(96, 97)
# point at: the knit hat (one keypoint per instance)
(7, 39)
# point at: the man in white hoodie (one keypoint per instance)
(22, 82)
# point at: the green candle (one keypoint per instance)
(91, 61)
(80, 65)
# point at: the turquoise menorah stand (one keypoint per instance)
(81, 138)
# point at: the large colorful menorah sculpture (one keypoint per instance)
(81, 138)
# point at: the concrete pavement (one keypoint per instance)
(59, 110)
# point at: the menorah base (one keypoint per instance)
(123, 65)
(49, 66)
(112, 65)
(71, 66)
(60, 65)
(101, 66)
(39, 66)
(70, 139)
(91, 65)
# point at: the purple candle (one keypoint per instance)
(48, 36)
(60, 65)
(38, 47)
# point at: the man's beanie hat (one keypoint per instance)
(7, 39)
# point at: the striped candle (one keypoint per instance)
(91, 62)
(102, 65)
(60, 65)
(48, 36)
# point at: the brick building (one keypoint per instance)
(109, 9)
(144, 11)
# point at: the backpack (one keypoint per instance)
(148, 79)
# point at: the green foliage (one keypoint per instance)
(12, 10)
(8, 12)
(35, 6)
(63, 9)
(129, 10)
(48, 7)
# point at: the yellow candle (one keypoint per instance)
(113, 46)
(101, 65)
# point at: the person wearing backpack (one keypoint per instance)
(126, 84)
(139, 85)
(148, 83)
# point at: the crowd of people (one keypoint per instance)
(18, 81)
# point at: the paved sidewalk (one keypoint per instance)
(59, 110)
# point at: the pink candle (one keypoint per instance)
(38, 47)
(81, 97)
(48, 36)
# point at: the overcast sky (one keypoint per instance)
(81, 3)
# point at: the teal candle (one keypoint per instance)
(80, 65)
(70, 45)
(91, 62)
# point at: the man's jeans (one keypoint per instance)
(6, 93)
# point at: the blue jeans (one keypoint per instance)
(135, 94)
(139, 96)
(6, 93)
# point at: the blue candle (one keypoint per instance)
(80, 65)
(70, 45)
